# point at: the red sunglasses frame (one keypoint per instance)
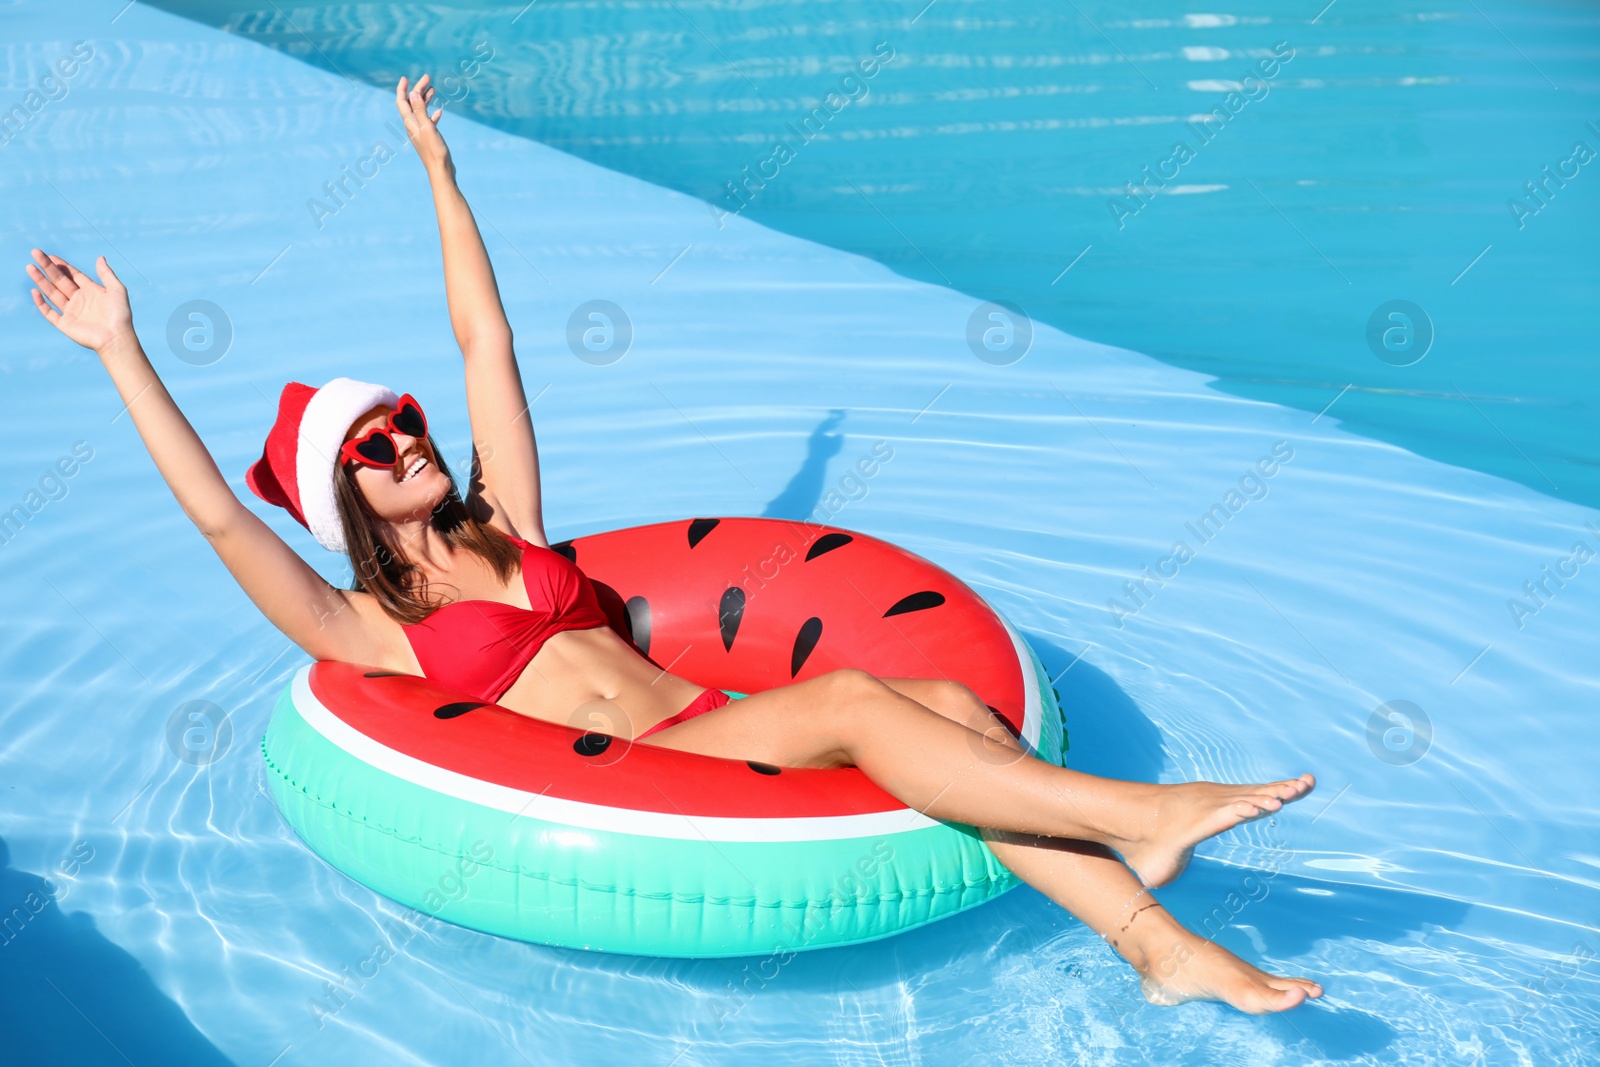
(350, 449)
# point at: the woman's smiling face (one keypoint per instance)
(389, 491)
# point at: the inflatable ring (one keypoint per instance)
(566, 835)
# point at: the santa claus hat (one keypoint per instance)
(297, 467)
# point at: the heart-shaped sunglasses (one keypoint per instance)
(376, 447)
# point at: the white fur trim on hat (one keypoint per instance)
(327, 419)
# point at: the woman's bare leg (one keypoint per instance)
(1173, 963)
(940, 767)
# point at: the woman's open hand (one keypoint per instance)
(91, 314)
(421, 127)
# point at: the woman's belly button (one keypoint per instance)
(581, 677)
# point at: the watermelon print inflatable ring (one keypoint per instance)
(547, 833)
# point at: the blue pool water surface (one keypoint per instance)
(1441, 881)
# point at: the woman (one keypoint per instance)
(356, 465)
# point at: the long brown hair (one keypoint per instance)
(382, 569)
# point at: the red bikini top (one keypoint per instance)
(480, 647)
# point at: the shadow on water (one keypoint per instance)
(801, 497)
(1264, 915)
(1253, 913)
(1107, 734)
(1258, 913)
(69, 996)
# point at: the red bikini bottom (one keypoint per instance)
(708, 700)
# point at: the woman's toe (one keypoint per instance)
(1269, 997)
(1310, 988)
(1261, 805)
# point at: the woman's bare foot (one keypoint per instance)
(1181, 816)
(1175, 965)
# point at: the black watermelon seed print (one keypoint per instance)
(916, 602)
(591, 744)
(763, 768)
(451, 711)
(804, 641)
(730, 613)
(744, 604)
(699, 528)
(827, 543)
(639, 623)
(387, 674)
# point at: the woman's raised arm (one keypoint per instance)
(476, 314)
(326, 622)
(98, 317)
(502, 428)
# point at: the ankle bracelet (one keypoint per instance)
(1124, 927)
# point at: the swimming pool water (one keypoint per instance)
(1417, 153)
(1441, 886)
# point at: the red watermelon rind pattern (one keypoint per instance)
(716, 857)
